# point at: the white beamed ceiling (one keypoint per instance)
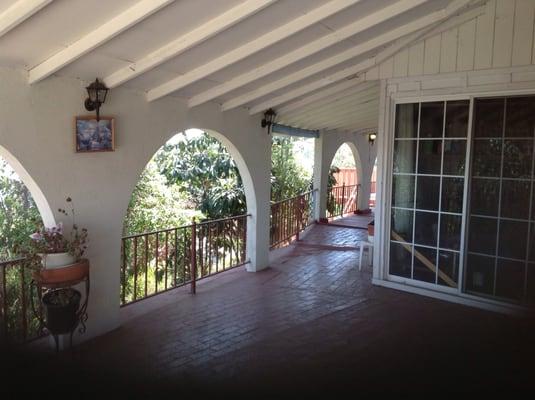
(173, 42)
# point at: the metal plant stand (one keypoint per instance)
(51, 279)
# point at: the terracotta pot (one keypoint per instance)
(72, 273)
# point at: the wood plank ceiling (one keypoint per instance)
(303, 58)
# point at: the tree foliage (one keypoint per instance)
(155, 205)
(202, 169)
(18, 212)
(288, 179)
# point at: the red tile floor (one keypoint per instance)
(310, 323)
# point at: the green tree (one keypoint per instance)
(155, 205)
(288, 179)
(18, 212)
(202, 169)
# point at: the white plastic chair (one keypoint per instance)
(369, 245)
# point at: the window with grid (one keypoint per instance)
(500, 261)
(429, 166)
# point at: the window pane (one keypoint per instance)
(429, 156)
(424, 264)
(454, 157)
(402, 225)
(515, 199)
(480, 274)
(457, 118)
(426, 227)
(450, 231)
(510, 279)
(517, 158)
(432, 119)
(513, 239)
(448, 267)
(405, 156)
(403, 191)
(488, 114)
(482, 235)
(406, 120)
(484, 196)
(452, 194)
(520, 117)
(427, 192)
(400, 260)
(487, 157)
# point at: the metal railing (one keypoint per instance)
(155, 262)
(18, 323)
(342, 200)
(289, 217)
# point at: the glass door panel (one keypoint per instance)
(502, 208)
(429, 163)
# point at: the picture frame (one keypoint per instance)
(91, 136)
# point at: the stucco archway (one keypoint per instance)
(39, 198)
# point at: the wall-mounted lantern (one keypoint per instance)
(269, 119)
(371, 137)
(97, 93)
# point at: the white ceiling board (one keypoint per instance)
(5, 4)
(19, 12)
(56, 26)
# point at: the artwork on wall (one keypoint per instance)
(92, 135)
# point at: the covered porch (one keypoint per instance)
(439, 95)
(309, 322)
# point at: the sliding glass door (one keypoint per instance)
(500, 259)
(427, 191)
(449, 220)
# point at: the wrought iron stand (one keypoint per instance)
(50, 279)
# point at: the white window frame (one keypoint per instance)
(390, 98)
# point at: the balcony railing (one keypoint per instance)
(155, 262)
(289, 217)
(342, 200)
(18, 323)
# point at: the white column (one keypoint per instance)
(258, 204)
(321, 176)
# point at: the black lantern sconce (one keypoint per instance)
(371, 137)
(269, 119)
(97, 93)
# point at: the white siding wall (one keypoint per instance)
(502, 37)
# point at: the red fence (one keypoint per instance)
(18, 323)
(342, 200)
(289, 217)
(158, 261)
(346, 176)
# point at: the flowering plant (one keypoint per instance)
(53, 240)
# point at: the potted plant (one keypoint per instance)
(57, 259)
(53, 248)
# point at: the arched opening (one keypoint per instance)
(23, 207)
(292, 195)
(343, 180)
(187, 217)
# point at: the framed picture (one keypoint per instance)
(91, 135)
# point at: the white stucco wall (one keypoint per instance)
(36, 128)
